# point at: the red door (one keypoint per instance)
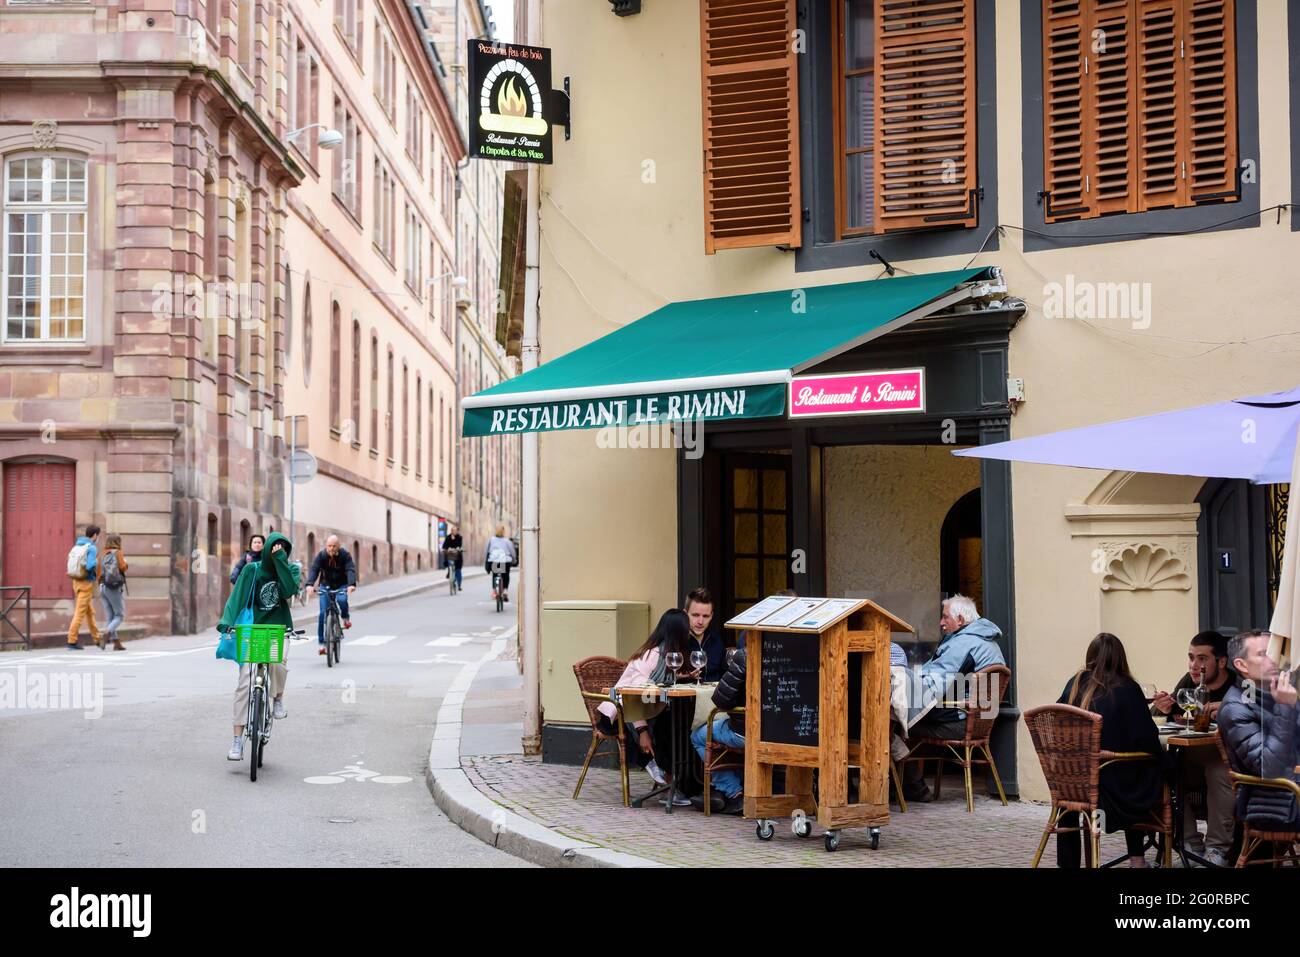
(38, 526)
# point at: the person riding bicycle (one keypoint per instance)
(453, 547)
(267, 585)
(501, 555)
(334, 568)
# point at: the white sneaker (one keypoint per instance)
(679, 800)
(1216, 858)
(278, 711)
(656, 773)
(236, 752)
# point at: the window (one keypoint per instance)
(905, 106)
(212, 17)
(385, 72)
(414, 247)
(374, 394)
(348, 20)
(406, 413)
(419, 424)
(306, 331)
(1139, 106)
(432, 435)
(347, 158)
(288, 313)
(415, 127)
(388, 419)
(242, 319)
(45, 249)
(303, 97)
(355, 433)
(441, 472)
(448, 190)
(211, 265)
(445, 292)
(385, 234)
(336, 366)
(293, 80)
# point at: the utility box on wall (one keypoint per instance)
(573, 630)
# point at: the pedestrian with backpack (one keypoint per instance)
(83, 569)
(112, 589)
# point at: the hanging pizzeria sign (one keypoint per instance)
(513, 107)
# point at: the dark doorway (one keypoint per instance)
(756, 529)
(39, 509)
(1239, 539)
(961, 542)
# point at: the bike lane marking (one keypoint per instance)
(371, 640)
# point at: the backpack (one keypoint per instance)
(77, 560)
(113, 576)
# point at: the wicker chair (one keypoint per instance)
(719, 757)
(989, 691)
(595, 674)
(1068, 742)
(1284, 842)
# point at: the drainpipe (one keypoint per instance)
(530, 560)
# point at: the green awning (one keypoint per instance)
(725, 358)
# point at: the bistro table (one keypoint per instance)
(676, 697)
(1177, 742)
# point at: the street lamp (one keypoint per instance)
(457, 281)
(326, 139)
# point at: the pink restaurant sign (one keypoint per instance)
(858, 393)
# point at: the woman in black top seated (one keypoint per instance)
(1128, 790)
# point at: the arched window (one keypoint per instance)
(961, 568)
(442, 474)
(214, 547)
(374, 558)
(374, 393)
(355, 437)
(245, 533)
(288, 313)
(211, 262)
(311, 549)
(356, 553)
(406, 563)
(419, 424)
(432, 435)
(306, 331)
(388, 423)
(336, 365)
(45, 237)
(406, 411)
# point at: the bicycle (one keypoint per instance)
(452, 556)
(497, 579)
(333, 626)
(261, 646)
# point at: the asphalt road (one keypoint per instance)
(146, 781)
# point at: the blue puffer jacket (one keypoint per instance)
(965, 651)
(1260, 736)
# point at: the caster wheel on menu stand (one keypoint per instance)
(875, 838)
(832, 840)
(764, 829)
(802, 827)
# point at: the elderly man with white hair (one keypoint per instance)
(970, 643)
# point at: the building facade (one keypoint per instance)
(185, 279)
(1125, 166)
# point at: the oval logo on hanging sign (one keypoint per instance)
(858, 393)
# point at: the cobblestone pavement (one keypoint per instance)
(941, 834)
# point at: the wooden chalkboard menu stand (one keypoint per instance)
(799, 714)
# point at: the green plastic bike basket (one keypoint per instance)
(259, 644)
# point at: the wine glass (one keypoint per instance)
(698, 660)
(673, 660)
(1148, 692)
(731, 655)
(1187, 701)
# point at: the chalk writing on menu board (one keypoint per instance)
(791, 690)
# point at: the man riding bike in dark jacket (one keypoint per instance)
(334, 568)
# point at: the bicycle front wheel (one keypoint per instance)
(256, 724)
(337, 638)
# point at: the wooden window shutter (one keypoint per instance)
(1210, 66)
(751, 118)
(925, 114)
(1065, 124)
(1162, 113)
(1111, 145)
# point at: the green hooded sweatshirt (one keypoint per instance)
(271, 582)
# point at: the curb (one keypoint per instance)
(477, 814)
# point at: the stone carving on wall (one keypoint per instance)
(1143, 566)
(45, 134)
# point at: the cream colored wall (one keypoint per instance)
(869, 552)
(616, 246)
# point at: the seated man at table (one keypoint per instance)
(970, 643)
(1258, 722)
(727, 785)
(1207, 661)
(699, 609)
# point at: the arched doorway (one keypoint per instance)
(961, 544)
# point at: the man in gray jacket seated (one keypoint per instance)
(1258, 721)
(970, 643)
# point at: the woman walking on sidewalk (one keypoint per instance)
(112, 589)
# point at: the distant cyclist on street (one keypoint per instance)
(334, 568)
(267, 585)
(453, 547)
(501, 552)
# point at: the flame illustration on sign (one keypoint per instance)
(511, 102)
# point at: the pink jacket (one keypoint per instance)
(637, 672)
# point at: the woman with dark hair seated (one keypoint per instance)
(647, 667)
(1127, 790)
